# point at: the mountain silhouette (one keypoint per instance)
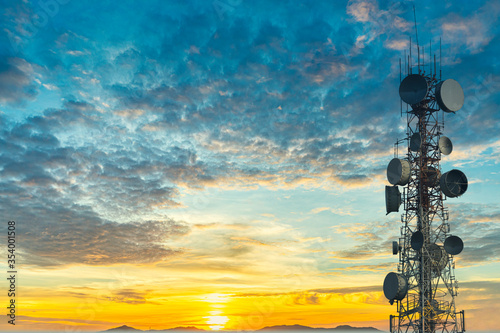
(126, 328)
(180, 328)
(123, 328)
(307, 328)
(267, 328)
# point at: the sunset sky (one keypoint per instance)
(221, 163)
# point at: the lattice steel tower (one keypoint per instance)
(424, 287)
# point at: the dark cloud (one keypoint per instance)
(372, 239)
(54, 235)
(17, 84)
(41, 183)
(478, 226)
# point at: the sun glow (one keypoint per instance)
(217, 298)
(216, 323)
(217, 301)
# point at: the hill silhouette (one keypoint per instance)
(307, 328)
(126, 328)
(123, 328)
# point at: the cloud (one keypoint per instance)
(44, 187)
(362, 10)
(130, 296)
(372, 240)
(35, 321)
(88, 240)
(17, 84)
(473, 31)
(384, 267)
(274, 110)
(338, 211)
(478, 227)
(262, 97)
(361, 294)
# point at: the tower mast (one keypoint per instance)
(424, 287)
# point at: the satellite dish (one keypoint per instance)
(445, 145)
(395, 247)
(453, 183)
(413, 89)
(453, 245)
(432, 176)
(392, 199)
(398, 172)
(449, 95)
(415, 142)
(438, 257)
(395, 286)
(417, 240)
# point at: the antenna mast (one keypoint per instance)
(416, 35)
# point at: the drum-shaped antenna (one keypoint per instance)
(413, 89)
(453, 183)
(445, 145)
(398, 172)
(395, 287)
(449, 95)
(417, 240)
(395, 247)
(438, 257)
(392, 199)
(415, 142)
(453, 245)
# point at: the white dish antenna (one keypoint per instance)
(449, 95)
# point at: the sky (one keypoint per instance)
(221, 164)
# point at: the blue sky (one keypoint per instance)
(193, 134)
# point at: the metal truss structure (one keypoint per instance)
(424, 287)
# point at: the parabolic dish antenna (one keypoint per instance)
(395, 286)
(453, 183)
(438, 257)
(395, 247)
(392, 199)
(445, 145)
(398, 172)
(417, 240)
(453, 245)
(449, 95)
(413, 89)
(415, 142)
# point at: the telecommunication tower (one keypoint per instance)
(424, 286)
